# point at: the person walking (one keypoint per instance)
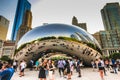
(101, 69)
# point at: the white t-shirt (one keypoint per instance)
(23, 65)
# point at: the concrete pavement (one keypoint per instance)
(87, 74)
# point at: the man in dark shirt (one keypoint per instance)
(8, 72)
(1, 64)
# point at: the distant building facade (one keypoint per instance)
(22, 7)
(111, 20)
(25, 26)
(111, 16)
(4, 24)
(8, 48)
(81, 25)
(110, 38)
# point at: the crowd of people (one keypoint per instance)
(47, 68)
(103, 65)
(65, 68)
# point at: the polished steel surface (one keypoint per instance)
(58, 30)
(38, 49)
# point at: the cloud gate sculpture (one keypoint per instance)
(65, 38)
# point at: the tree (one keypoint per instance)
(5, 58)
(115, 56)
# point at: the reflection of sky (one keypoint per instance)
(55, 30)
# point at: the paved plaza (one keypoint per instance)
(87, 74)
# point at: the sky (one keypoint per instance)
(59, 11)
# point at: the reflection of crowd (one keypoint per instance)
(67, 45)
(111, 65)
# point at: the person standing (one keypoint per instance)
(37, 65)
(61, 67)
(79, 68)
(93, 64)
(31, 64)
(22, 68)
(7, 73)
(68, 70)
(51, 72)
(15, 64)
(42, 71)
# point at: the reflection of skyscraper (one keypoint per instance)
(4, 24)
(25, 26)
(22, 6)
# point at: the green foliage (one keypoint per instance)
(67, 38)
(46, 38)
(5, 58)
(115, 56)
(105, 57)
(58, 58)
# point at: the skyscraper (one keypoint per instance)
(110, 38)
(111, 16)
(25, 26)
(4, 24)
(22, 6)
(111, 20)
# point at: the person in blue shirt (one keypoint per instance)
(8, 72)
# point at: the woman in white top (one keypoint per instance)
(22, 67)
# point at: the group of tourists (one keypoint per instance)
(65, 68)
(47, 68)
(111, 65)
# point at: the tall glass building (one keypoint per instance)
(111, 16)
(22, 6)
(110, 38)
(111, 20)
